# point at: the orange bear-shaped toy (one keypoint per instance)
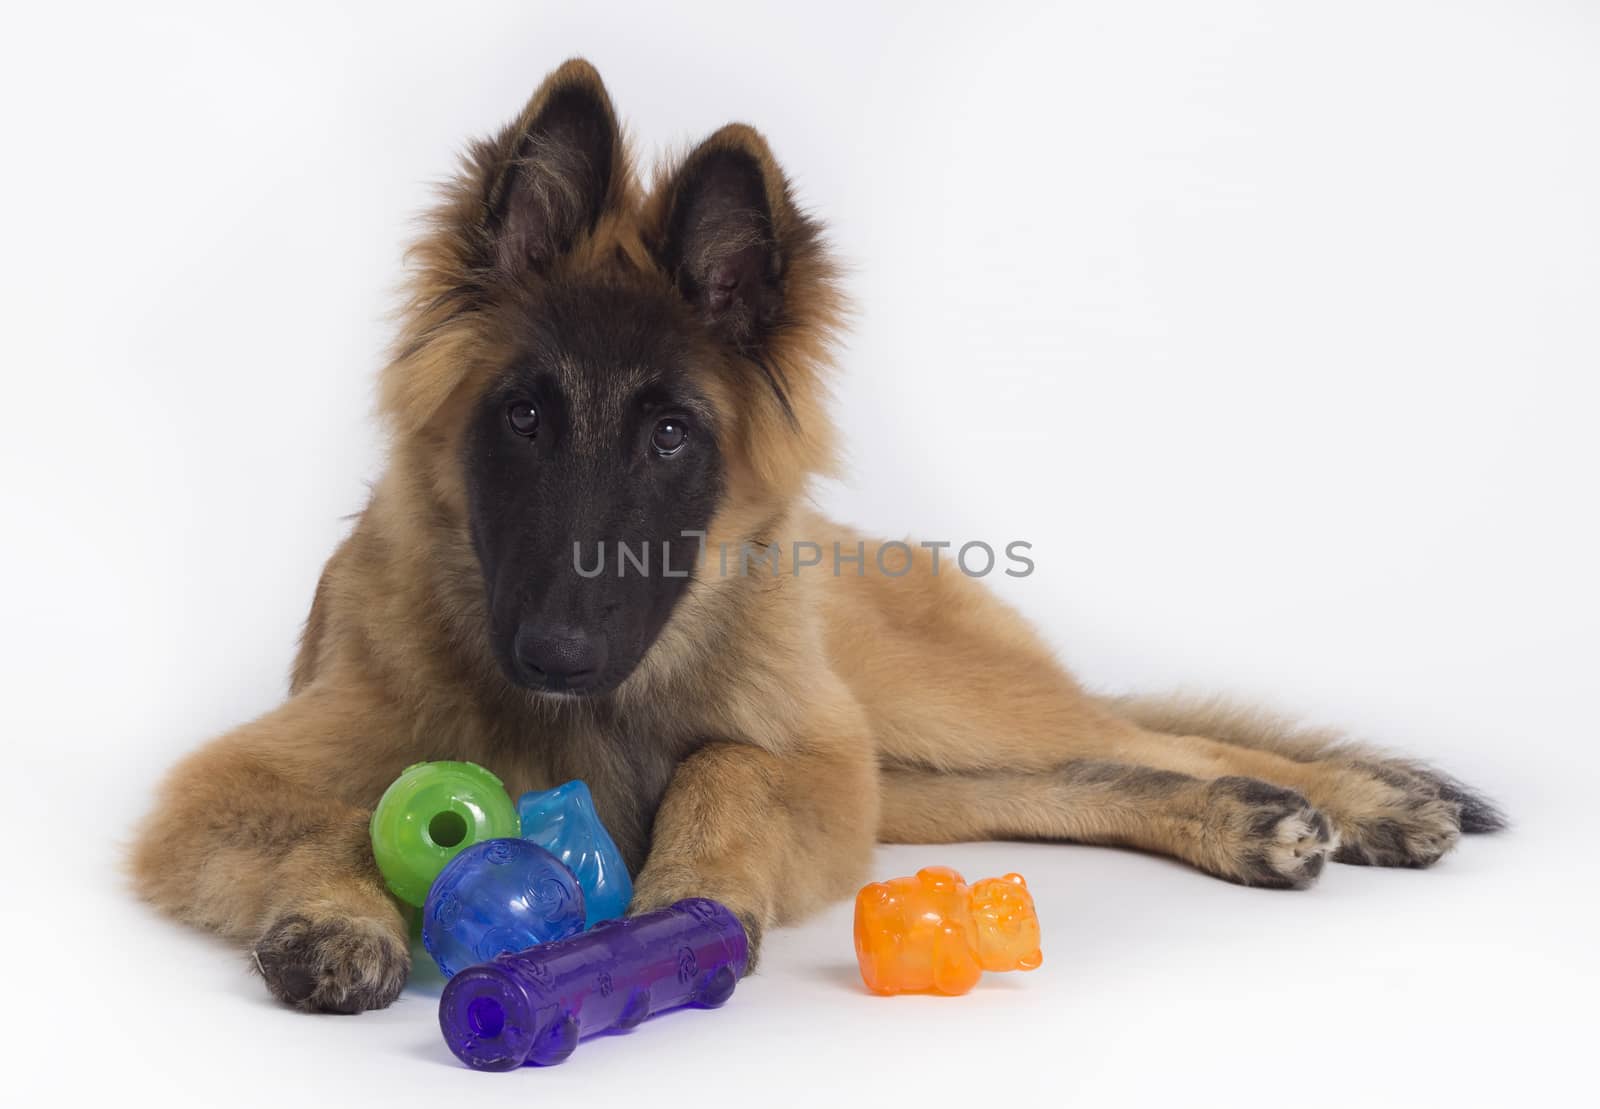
(934, 932)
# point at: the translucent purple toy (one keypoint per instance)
(534, 1006)
(497, 896)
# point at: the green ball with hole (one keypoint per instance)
(429, 815)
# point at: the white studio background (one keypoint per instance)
(1271, 326)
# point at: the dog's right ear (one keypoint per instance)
(525, 200)
(546, 179)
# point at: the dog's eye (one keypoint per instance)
(523, 418)
(669, 436)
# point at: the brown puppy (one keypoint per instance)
(591, 376)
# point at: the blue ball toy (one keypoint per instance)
(497, 896)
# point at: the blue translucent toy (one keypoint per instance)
(534, 1006)
(564, 823)
(497, 896)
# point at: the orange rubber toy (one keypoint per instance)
(933, 932)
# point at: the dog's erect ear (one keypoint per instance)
(552, 172)
(523, 201)
(722, 225)
(727, 230)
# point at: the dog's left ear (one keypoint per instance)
(725, 230)
(722, 225)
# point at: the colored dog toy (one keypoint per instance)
(564, 823)
(933, 932)
(534, 1006)
(432, 812)
(497, 896)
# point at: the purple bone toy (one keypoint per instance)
(534, 1006)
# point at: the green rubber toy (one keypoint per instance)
(429, 815)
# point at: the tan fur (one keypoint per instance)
(796, 717)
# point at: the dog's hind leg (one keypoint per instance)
(1392, 809)
(1384, 813)
(953, 680)
(1241, 829)
(1268, 731)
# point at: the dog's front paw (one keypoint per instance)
(1260, 834)
(333, 964)
(661, 888)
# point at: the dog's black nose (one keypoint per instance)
(559, 657)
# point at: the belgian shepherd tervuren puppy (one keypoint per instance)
(586, 368)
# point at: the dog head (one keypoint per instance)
(594, 386)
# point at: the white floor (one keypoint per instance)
(1470, 984)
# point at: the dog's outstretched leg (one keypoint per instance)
(770, 836)
(1242, 829)
(260, 837)
(955, 682)
(1392, 811)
